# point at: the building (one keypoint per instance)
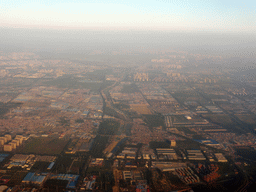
(166, 153)
(146, 156)
(7, 147)
(16, 141)
(20, 138)
(33, 178)
(220, 158)
(13, 144)
(50, 166)
(173, 143)
(127, 175)
(4, 138)
(9, 137)
(2, 141)
(140, 77)
(120, 156)
(196, 154)
(131, 156)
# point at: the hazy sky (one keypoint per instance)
(210, 15)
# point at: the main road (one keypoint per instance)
(109, 103)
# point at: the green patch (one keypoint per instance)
(109, 127)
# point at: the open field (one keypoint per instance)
(44, 146)
(17, 178)
(75, 83)
(250, 119)
(177, 119)
(62, 164)
(98, 146)
(130, 88)
(154, 120)
(109, 127)
(141, 109)
(113, 142)
(5, 107)
(218, 118)
(40, 166)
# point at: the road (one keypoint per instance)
(109, 103)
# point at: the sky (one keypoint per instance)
(170, 15)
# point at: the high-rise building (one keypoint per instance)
(7, 147)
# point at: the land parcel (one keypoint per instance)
(141, 109)
(44, 146)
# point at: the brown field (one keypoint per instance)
(141, 109)
(218, 118)
(250, 119)
(36, 104)
(44, 146)
(17, 178)
(114, 140)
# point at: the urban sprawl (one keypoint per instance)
(172, 121)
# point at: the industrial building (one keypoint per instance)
(128, 152)
(120, 156)
(220, 157)
(166, 153)
(195, 154)
(146, 156)
(50, 166)
(132, 175)
(167, 166)
(33, 178)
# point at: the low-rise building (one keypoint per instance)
(220, 157)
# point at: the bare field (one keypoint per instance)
(44, 146)
(141, 109)
(113, 142)
(250, 119)
(218, 118)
